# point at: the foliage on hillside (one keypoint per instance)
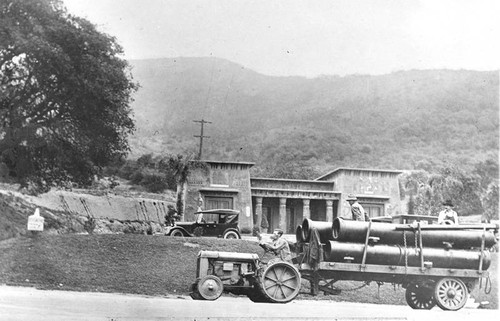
(397, 121)
(471, 192)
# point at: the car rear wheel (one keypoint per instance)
(231, 235)
(176, 233)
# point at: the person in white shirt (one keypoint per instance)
(448, 215)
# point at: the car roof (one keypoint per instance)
(219, 211)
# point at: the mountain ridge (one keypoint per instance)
(390, 121)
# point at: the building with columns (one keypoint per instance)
(284, 203)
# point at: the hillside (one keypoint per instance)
(399, 120)
(70, 211)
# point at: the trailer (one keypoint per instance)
(441, 275)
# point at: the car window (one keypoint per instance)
(211, 217)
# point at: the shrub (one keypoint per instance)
(246, 230)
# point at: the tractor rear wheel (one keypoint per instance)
(280, 282)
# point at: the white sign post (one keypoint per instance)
(35, 221)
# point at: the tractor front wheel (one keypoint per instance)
(210, 287)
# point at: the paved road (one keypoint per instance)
(19, 303)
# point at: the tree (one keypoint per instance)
(431, 189)
(179, 166)
(490, 203)
(64, 95)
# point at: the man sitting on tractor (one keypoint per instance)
(279, 246)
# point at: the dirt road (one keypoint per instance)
(20, 303)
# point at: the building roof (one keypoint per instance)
(289, 180)
(250, 164)
(340, 169)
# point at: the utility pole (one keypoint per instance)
(202, 121)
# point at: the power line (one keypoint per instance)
(202, 122)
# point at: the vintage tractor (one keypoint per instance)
(244, 274)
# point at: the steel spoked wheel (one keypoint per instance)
(176, 233)
(231, 235)
(210, 287)
(281, 282)
(420, 297)
(451, 294)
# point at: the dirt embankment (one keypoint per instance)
(82, 211)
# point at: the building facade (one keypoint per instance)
(284, 203)
(220, 185)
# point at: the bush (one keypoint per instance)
(245, 230)
(153, 183)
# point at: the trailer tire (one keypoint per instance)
(420, 297)
(451, 294)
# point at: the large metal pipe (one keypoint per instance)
(395, 255)
(355, 231)
(324, 230)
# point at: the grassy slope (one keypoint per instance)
(150, 265)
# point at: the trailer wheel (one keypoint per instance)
(280, 282)
(210, 287)
(451, 294)
(420, 297)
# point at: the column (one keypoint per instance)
(306, 211)
(258, 211)
(329, 210)
(282, 221)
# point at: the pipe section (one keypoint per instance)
(395, 255)
(324, 230)
(355, 232)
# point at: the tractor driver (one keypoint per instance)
(279, 246)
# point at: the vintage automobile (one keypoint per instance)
(216, 223)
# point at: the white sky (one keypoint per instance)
(307, 37)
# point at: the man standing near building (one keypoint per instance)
(278, 245)
(448, 215)
(357, 211)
